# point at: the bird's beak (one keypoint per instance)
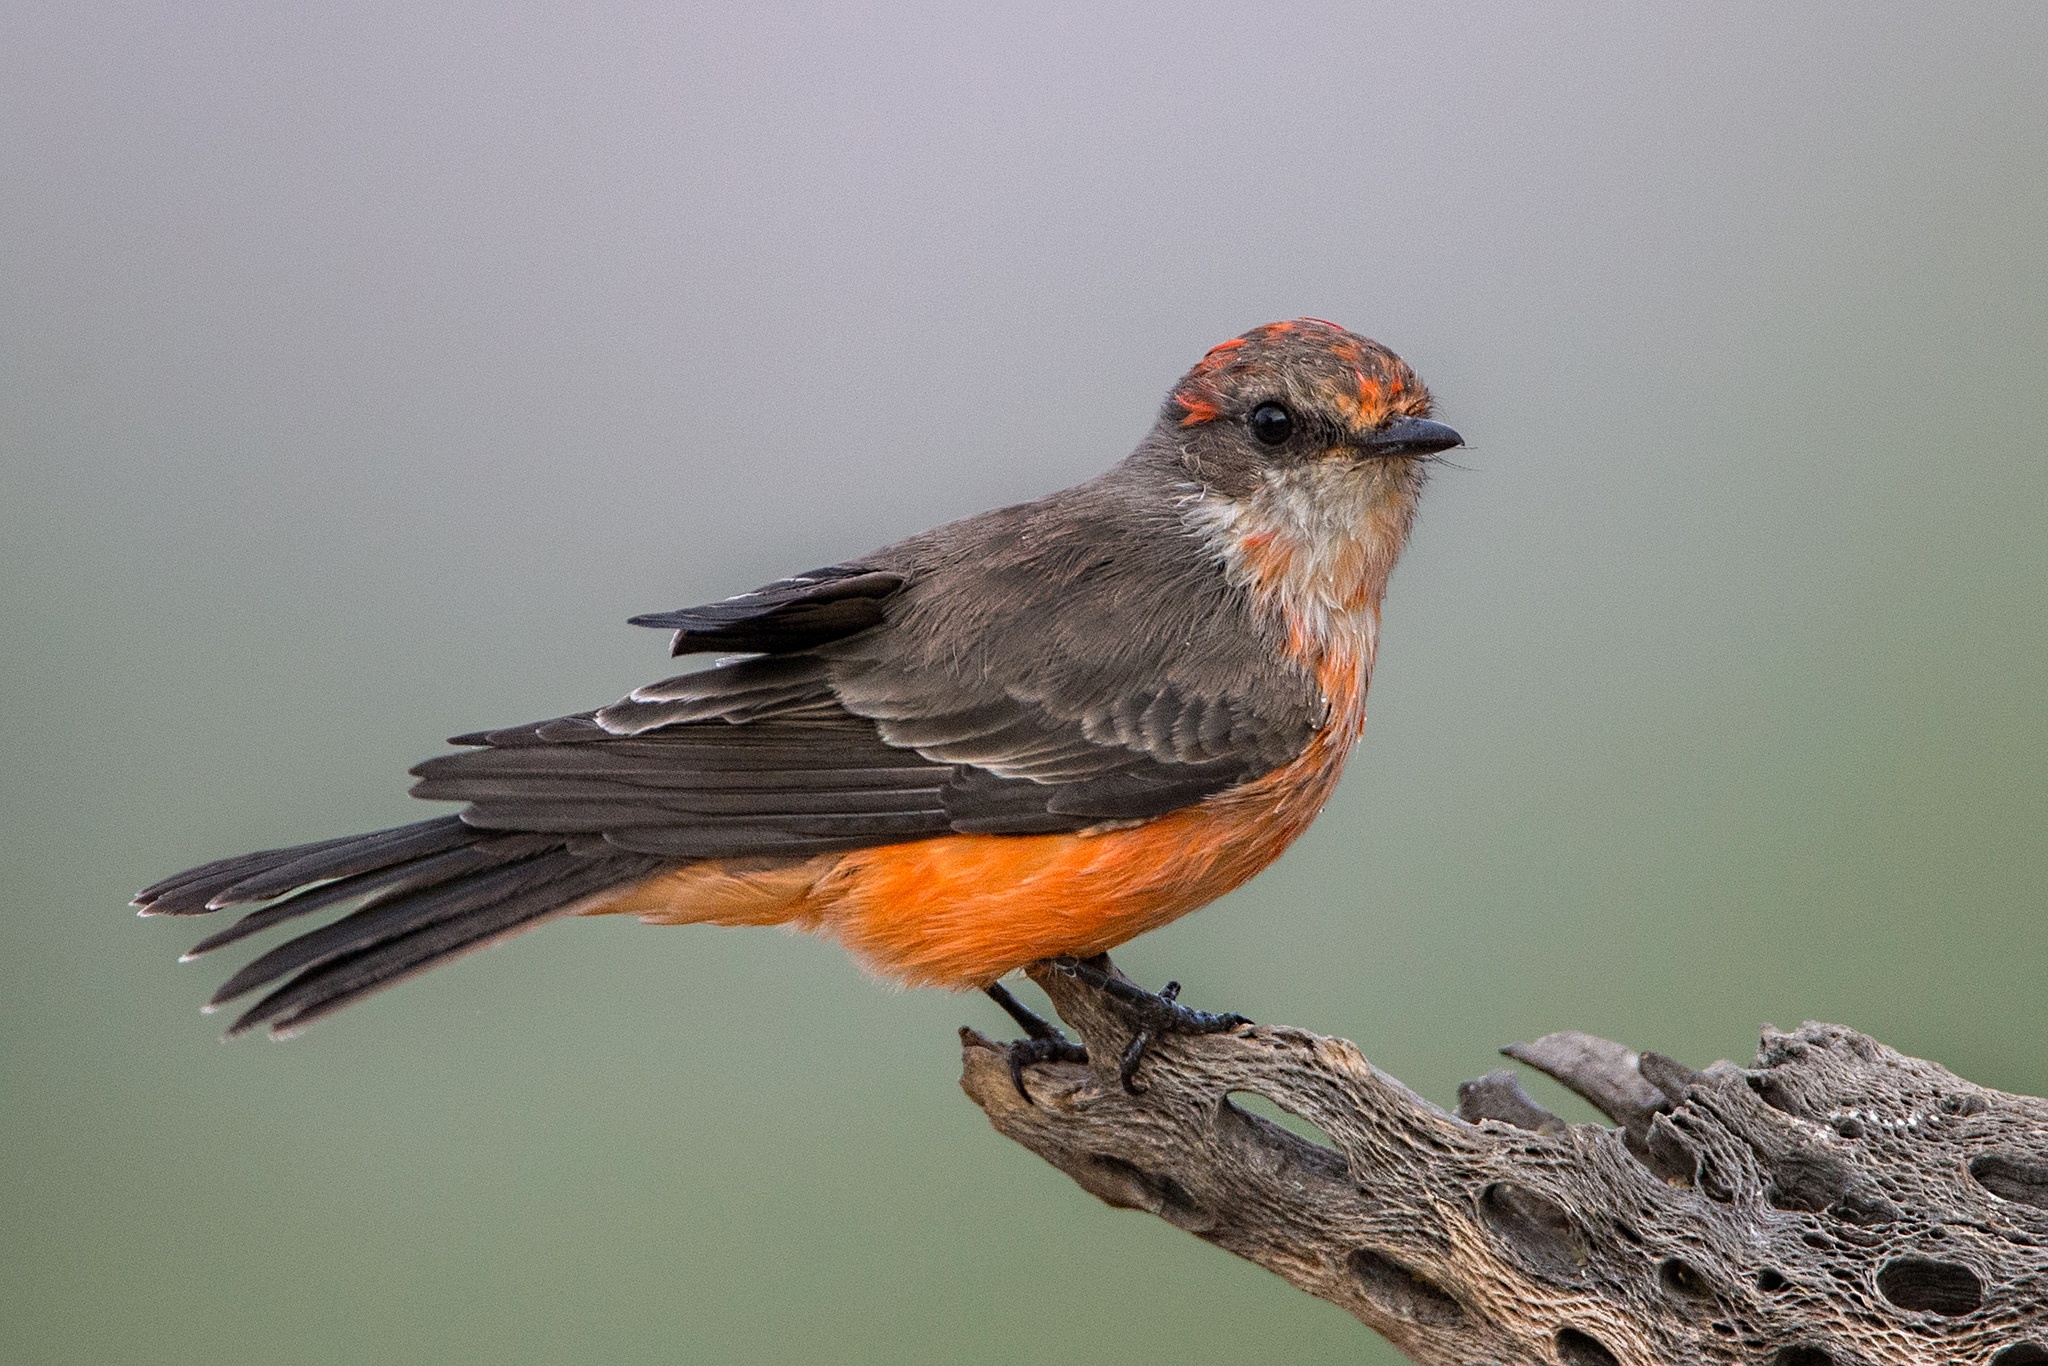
(1409, 436)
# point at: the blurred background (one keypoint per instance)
(363, 367)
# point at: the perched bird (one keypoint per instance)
(1031, 734)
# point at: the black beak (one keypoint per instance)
(1410, 436)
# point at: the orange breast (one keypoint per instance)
(962, 910)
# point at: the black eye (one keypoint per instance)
(1271, 424)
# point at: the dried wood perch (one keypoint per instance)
(1838, 1203)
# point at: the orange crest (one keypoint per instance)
(1360, 378)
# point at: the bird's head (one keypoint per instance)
(1303, 399)
(1308, 446)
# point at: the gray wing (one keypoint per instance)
(1039, 669)
(1086, 661)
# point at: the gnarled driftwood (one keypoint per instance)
(1838, 1204)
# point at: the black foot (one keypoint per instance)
(1045, 1043)
(1152, 1014)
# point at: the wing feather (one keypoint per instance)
(790, 614)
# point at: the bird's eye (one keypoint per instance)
(1271, 424)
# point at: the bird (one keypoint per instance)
(1027, 736)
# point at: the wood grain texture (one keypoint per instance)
(1836, 1204)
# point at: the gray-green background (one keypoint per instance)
(363, 367)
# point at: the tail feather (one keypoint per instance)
(382, 884)
(428, 892)
(189, 891)
(365, 853)
(340, 981)
(390, 918)
(276, 913)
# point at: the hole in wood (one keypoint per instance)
(1278, 1148)
(2008, 1177)
(1770, 1280)
(1807, 1181)
(1774, 1093)
(1933, 1287)
(1863, 1207)
(1670, 1156)
(1129, 1186)
(1801, 1356)
(1534, 1226)
(1681, 1278)
(1575, 1348)
(1265, 1107)
(1403, 1291)
(2022, 1354)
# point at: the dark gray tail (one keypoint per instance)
(429, 892)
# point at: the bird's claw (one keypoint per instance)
(1043, 1042)
(1152, 1014)
(1029, 1052)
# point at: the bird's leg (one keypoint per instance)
(1043, 1042)
(1033, 1024)
(1159, 1012)
(1152, 1014)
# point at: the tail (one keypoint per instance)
(430, 892)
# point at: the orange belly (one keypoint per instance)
(962, 910)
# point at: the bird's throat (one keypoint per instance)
(1314, 547)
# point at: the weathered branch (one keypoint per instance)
(1838, 1203)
